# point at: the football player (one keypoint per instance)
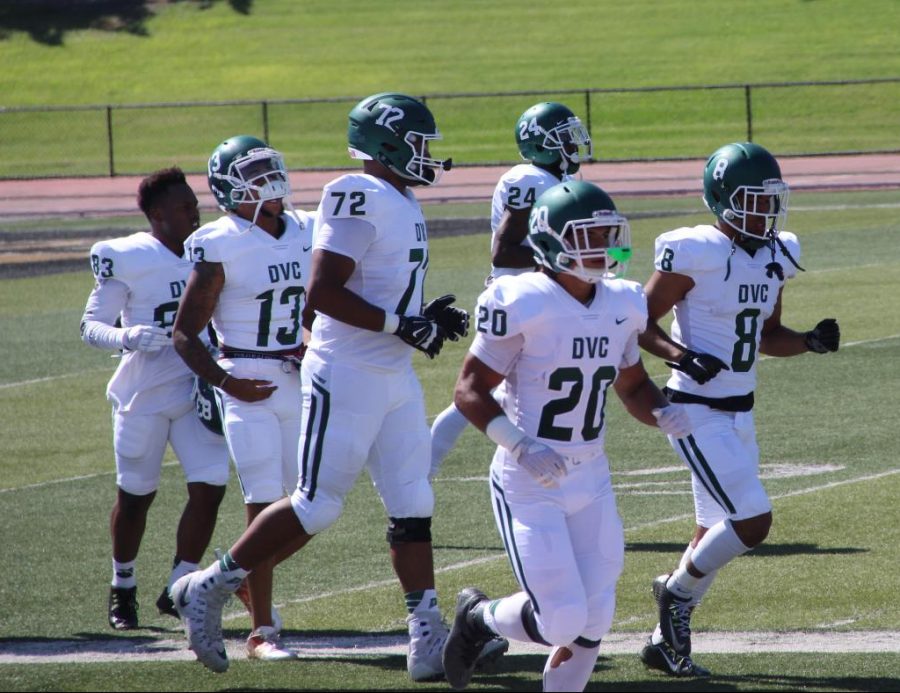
(251, 271)
(139, 282)
(362, 403)
(557, 340)
(724, 282)
(554, 142)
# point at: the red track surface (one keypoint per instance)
(101, 196)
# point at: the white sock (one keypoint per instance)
(681, 583)
(181, 569)
(445, 431)
(429, 602)
(225, 573)
(504, 617)
(718, 546)
(574, 666)
(700, 589)
(124, 574)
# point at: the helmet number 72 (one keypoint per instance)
(389, 115)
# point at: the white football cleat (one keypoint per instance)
(427, 634)
(199, 603)
(264, 644)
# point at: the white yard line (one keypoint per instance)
(54, 482)
(327, 647)
(65, 651)
(51, 378)
(502, 556)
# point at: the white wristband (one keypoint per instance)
(391, 322)
(504, 432)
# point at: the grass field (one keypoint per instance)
(829, 449)
(281, 49)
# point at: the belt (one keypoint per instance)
(736, 403)
(294, 356)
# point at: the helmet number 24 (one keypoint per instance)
(529, 126)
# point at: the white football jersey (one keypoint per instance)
(389, 273)
(734, 292)
(559, 356)
(265, 280)
(144, 382)
(518, 188)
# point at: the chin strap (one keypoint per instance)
(787, 253)
(728, 262)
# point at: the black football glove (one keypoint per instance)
(700, 367)
(420, 332)
(824, 337)
(454, 321)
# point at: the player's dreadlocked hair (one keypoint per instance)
(154, 186)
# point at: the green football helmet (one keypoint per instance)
(549, 134)
(575, 224)
(207, 406)
(246, 169)
(394, 130)
(742, 186)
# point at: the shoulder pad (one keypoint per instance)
(111, 258)
(209, 243)
(628, 297)
(792, 243)
(353, 196)
(497, 309)
(691, 250)
(521, 185)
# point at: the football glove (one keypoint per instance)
(420, 332)
(146, 338)
(700, 367)
(824, 337)
(454, 321)
(542, 462)
(673, 421)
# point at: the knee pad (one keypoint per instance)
(404, 530)
(135, 478)
(316, 515)
(562, 624)
(411, 500)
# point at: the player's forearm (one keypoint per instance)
(517, 256)
(102, 336)
(342, 304)
(197, 357)
(640, 396)
(782, 341)
(654, 340)
(478, 406)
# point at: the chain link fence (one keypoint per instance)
(650, 123)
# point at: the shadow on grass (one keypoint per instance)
(762, 550)
(48, 21)
(85, 643)
(756, 682)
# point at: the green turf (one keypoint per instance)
(279, 50)
(778, 672)
(829, 566)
